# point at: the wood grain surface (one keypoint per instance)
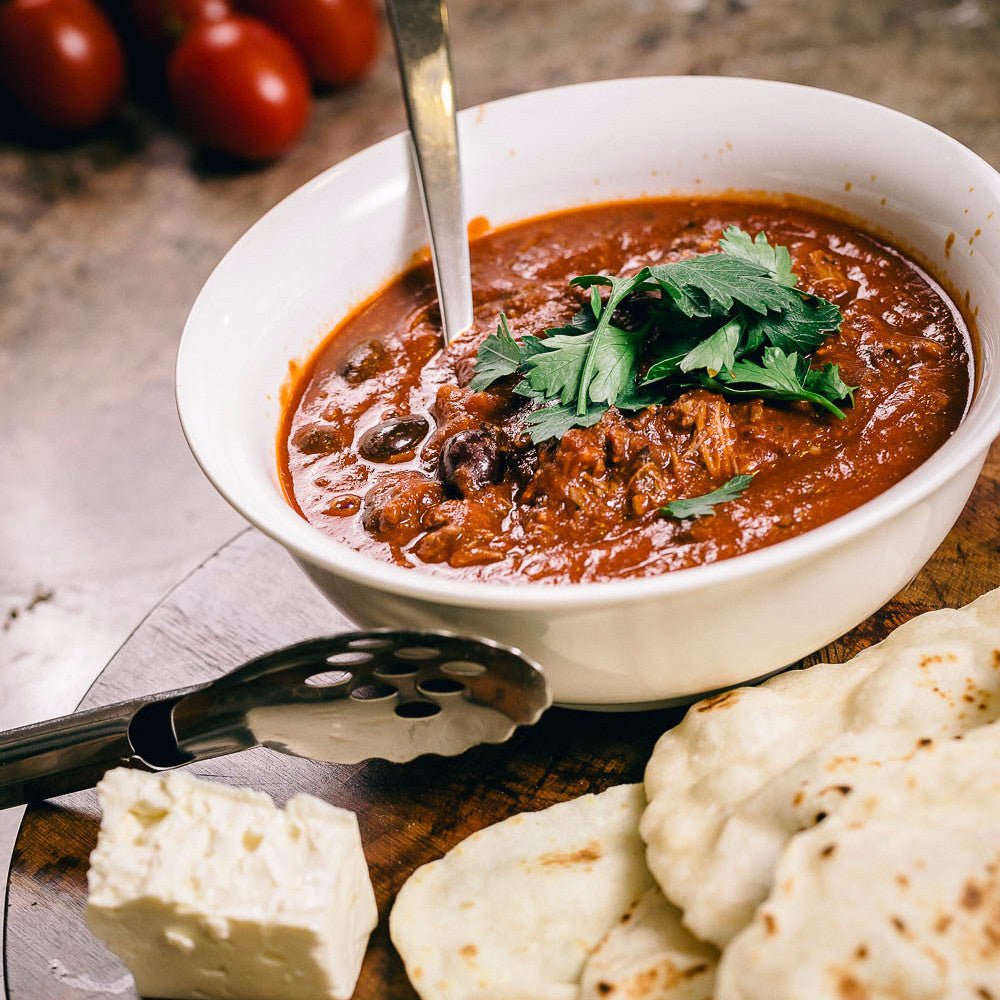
(249, 598)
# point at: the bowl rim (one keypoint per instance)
(968, 444)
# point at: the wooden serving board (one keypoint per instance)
(249, 598)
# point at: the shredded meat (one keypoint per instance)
(463, 533)
(395, 506)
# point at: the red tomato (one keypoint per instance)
(239, 88)
(61, 61)
(161, 24)
(337, 38)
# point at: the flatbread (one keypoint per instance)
(747, 769)
(648, 955)
(897, 895)
(512, 912)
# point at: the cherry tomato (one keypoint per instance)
(337, 38)
(239, 88)
(61, 61)
(161, 24)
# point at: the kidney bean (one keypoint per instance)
(363, 361)
(471, 459)
(392, 437)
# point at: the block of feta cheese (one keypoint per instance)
(208, 891)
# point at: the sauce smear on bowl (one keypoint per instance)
(386, 447)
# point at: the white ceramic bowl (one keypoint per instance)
(333, 242)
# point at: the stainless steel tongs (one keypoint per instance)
(389, 693)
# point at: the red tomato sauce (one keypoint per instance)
(369, 453)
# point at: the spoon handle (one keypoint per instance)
(420, 28)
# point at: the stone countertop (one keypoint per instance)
(104, 244)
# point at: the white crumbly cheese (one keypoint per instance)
(208, 891)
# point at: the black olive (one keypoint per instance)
(471, 459)
(364, 361)
(393, 437)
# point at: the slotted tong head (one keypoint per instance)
(388, 693)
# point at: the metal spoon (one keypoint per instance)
(420, 29)
(389, 693)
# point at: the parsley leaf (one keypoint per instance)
(557, 369)
(732, 322)
(777, 260)
(531, 346)
(703, 506)
(583, 321)
(710, 285)
(827, 382)
(779, 371)
(596, 306)
(499, 356)
(620, 287)
(638, 397)
(668, 359)
(803, 325)
(554, 421)
(715, 352)
(616, 359)
(784, 376)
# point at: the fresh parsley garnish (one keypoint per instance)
(784, 376)
(499, 355)
(556, 370)
(716, 352)
(733, 322)
(804, 323)
(595, 384)
(776, 260)
(553, 421)
(704, 506)
(712, 284)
